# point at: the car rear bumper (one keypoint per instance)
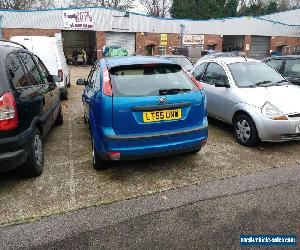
(14, 150)
(138, 146)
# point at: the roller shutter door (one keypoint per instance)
(260, 47)
(123, 40)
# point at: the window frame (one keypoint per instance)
(204, 74)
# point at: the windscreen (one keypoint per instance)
(149, 80)
(251, 74)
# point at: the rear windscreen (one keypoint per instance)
(148, 80)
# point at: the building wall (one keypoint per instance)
(100, 41)
(8, 33)
(144, 39)
(247, 45)
(293, 43)
(217, 40)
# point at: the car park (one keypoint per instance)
(288, 66)
(29, 107)
(50, 51)
(141, 107)
(181, 60)
(253, 97)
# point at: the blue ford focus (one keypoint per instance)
(141, 107)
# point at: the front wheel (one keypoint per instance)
(245, 131)
(35, 162)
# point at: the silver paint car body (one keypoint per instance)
(224, 103)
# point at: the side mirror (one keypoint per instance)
(56, 78)
(81, 82)
(221, 84)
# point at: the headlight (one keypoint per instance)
(271, 112)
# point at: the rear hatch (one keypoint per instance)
(153, 98)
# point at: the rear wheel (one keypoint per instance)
(65, 94)
(245, 131)
(98, 163)
(35, 162)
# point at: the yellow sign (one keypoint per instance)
(163, 39)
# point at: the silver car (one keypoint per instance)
(253, 97)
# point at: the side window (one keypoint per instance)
(32, 70)
(199, 71)
(214, 72)
(275, 64)
(292, 68)
(44, 71)
(16, 72)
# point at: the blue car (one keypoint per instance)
(142, 107)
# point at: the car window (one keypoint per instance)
(44, 71)
(148, 80)
(292, 68)
(213, 73)
(198, 73)
(16, 72)
(32, 69)
(275, 63)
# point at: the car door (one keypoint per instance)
(291, 70)
(219, 99)
(54, 91)
(39, 93)
(90, 90)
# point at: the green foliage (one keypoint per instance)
(259, 8)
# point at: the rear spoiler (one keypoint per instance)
(8, 41)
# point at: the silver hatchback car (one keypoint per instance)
(253, 97)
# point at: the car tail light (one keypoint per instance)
(8, 112)
(61, 74)
(197, 83)
(107, 88)
(114, 155)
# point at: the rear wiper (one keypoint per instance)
(259, 84)
(172, 91)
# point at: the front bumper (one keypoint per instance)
(14, 151)
(277, 131)
(139, 146)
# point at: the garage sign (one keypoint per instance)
(163, 39)
(193, 39)
(78, 20)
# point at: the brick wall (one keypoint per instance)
(213, 39)
(144, 39)
(247, 43)
(8, 33)
(293, 43)
(100, 41)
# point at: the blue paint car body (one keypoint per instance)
(117, 125)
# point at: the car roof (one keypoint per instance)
(173, 56)
(283, 57)
(230, 60)
(135, 60)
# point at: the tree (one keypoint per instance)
(117, 4)
(26, 4)
(157, 7)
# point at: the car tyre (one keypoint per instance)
(245, 130)
(98, 163)
(60, 118)
(65, 95)
(35, 161)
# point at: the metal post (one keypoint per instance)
(182, 27)
(0, 27)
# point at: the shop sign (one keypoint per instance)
(193, 39)
(78, 20)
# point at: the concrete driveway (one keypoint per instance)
(69, 182)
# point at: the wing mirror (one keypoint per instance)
(81, 82)
(221, 84)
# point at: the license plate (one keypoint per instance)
(162, 115)
(297, 129)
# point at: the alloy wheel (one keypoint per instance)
(38, 150)
(243, 130)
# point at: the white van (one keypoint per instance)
(50, 51)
